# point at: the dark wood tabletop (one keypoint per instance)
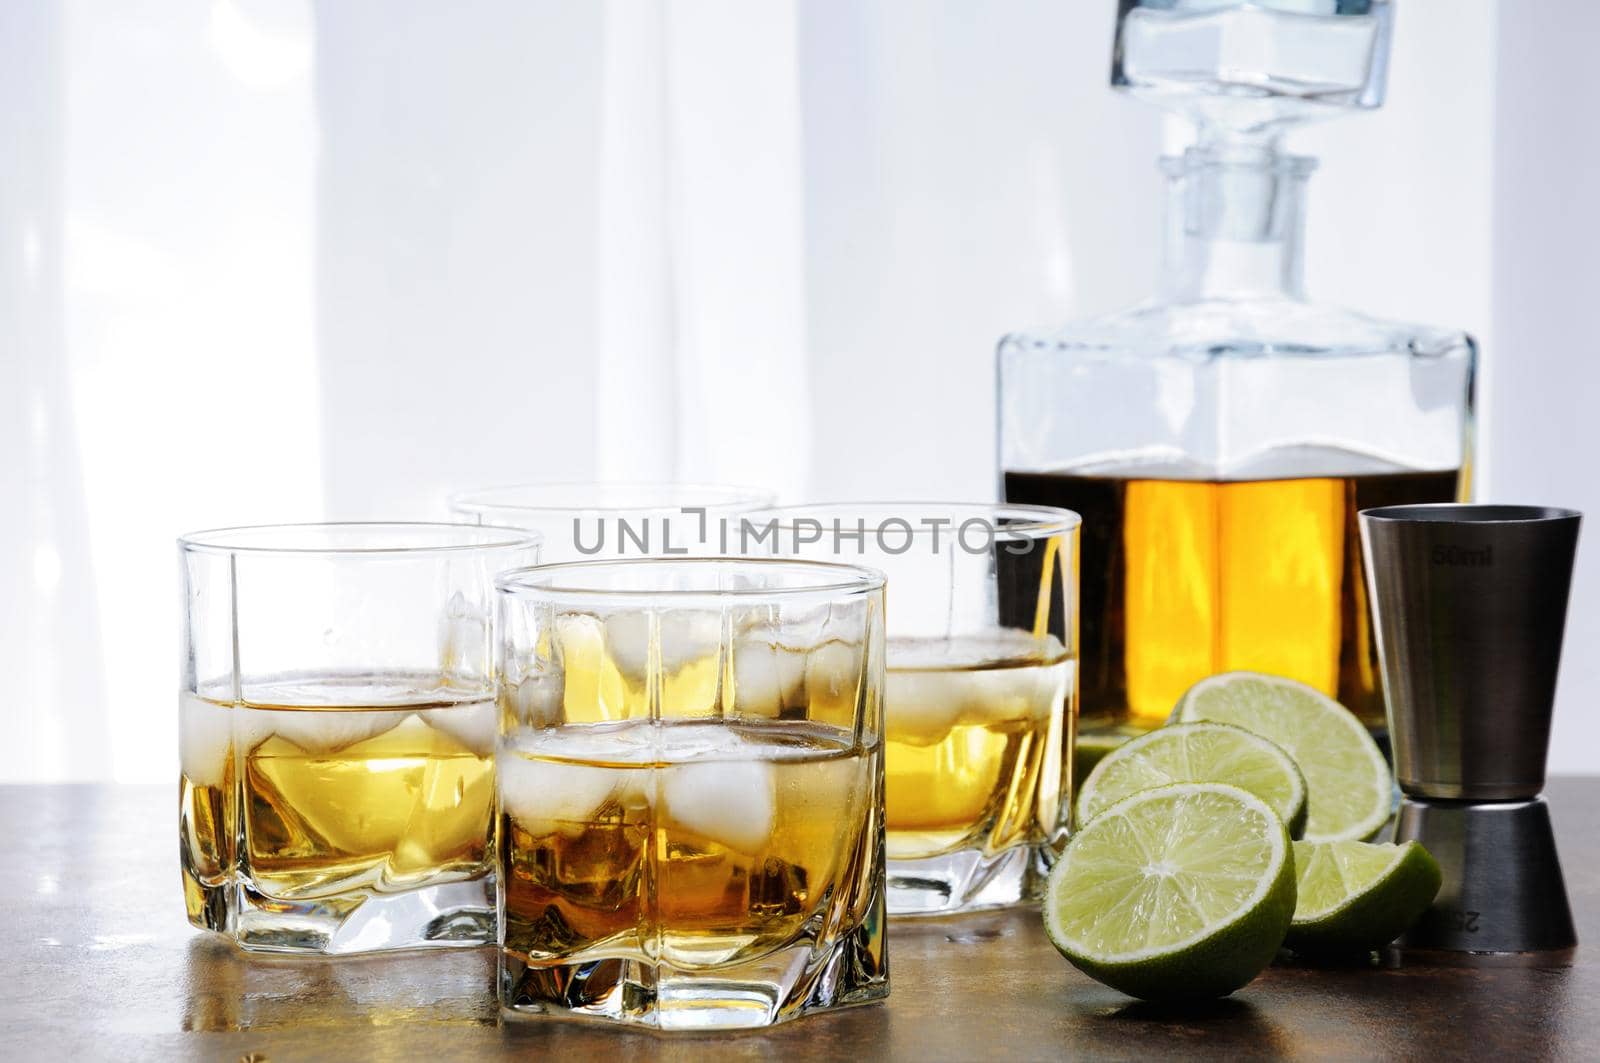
(100, 963)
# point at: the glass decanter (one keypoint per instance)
(1219, 439)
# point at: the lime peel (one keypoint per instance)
(1199, 752)
(1121, 903)
(1357, 895)
(1350, 790)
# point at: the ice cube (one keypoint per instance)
(996, 677)
(731, 802)
(765, 678)
(628, 642)
(689, 635)
(759, 621)
(833, 670)
(473, 725)
(205, 730)
(463, 638)
(801, 627)
(678, 745)
(537, 701)
(792, 627)
(1009, 694)
(920, 708)
(316, 730)
(549, 797)
(686, 635)
(579, 634)
(846, 621)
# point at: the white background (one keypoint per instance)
(287, 260)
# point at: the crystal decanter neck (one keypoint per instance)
(1235, 221)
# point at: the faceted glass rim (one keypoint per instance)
(776, 580)
(1010, 522)
(358, 539)
(609, 496)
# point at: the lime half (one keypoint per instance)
(1349, 788)
(1198, 752)
(1353, 895)
(1183, 891)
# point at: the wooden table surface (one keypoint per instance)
(100, 964)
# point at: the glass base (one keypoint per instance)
(965, 881)
(453, 914)
(206, 901)
(777, 987)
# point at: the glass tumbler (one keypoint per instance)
(982, 686)
(596, 521)
(691, 791)
(337, 733)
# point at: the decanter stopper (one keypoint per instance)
(1253, 68)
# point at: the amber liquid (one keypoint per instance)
(206, 826)
(1180, 579)
(313, 801)
(975, 738)
(692, 844)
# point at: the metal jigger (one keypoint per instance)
(1469, 603)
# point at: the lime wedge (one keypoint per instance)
(1198, 752)
(1183, 891)
(1349, 788)
(1354, 895)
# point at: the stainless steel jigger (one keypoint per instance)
(1469, 603)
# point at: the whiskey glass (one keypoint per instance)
(690, 791)
(614, 519)
(981, 708)
(337, 724)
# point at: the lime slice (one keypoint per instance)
(1198, 752)
(1353, 895)
(1347, 779)
(1184, 891)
